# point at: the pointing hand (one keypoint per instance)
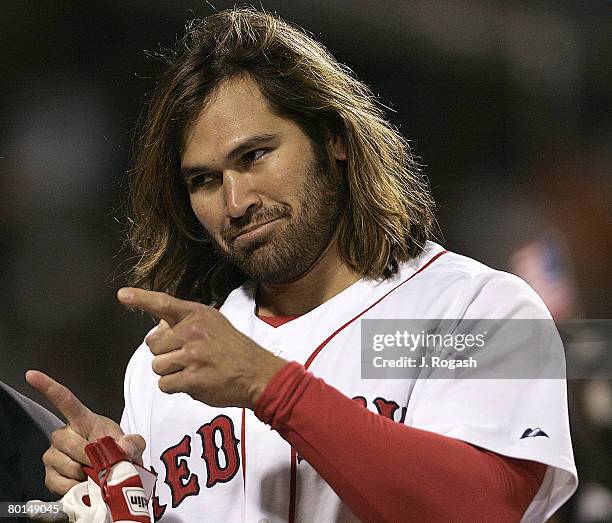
(63, 460)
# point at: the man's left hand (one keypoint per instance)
(198, 351)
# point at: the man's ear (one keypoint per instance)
(338, 148)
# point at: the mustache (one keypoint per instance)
(253, 218)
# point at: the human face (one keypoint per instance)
(264, 196)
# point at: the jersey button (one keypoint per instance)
(277, 350)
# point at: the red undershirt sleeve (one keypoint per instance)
(386, 471)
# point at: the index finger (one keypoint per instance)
(159, 304)
(62, 398)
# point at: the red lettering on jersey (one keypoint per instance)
(229, 447)
(387, 408)
(179, 478)
(361, 400)
(158, 510)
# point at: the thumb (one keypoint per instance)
(133, 445)
(79, 417)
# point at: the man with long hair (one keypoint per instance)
(272, 209)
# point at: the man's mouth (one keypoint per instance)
(253, 231)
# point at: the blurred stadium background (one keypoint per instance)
(507, 103)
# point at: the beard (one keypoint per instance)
(291, 249)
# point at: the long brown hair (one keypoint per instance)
(389, 211)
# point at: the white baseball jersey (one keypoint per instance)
(199, 451)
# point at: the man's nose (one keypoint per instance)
(240, 194)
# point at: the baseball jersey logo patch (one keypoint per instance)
(532, 433)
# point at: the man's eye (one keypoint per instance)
(201, 180)
(254, 155)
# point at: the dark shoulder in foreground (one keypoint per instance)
(25, 430)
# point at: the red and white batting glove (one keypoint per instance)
(114, 489)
